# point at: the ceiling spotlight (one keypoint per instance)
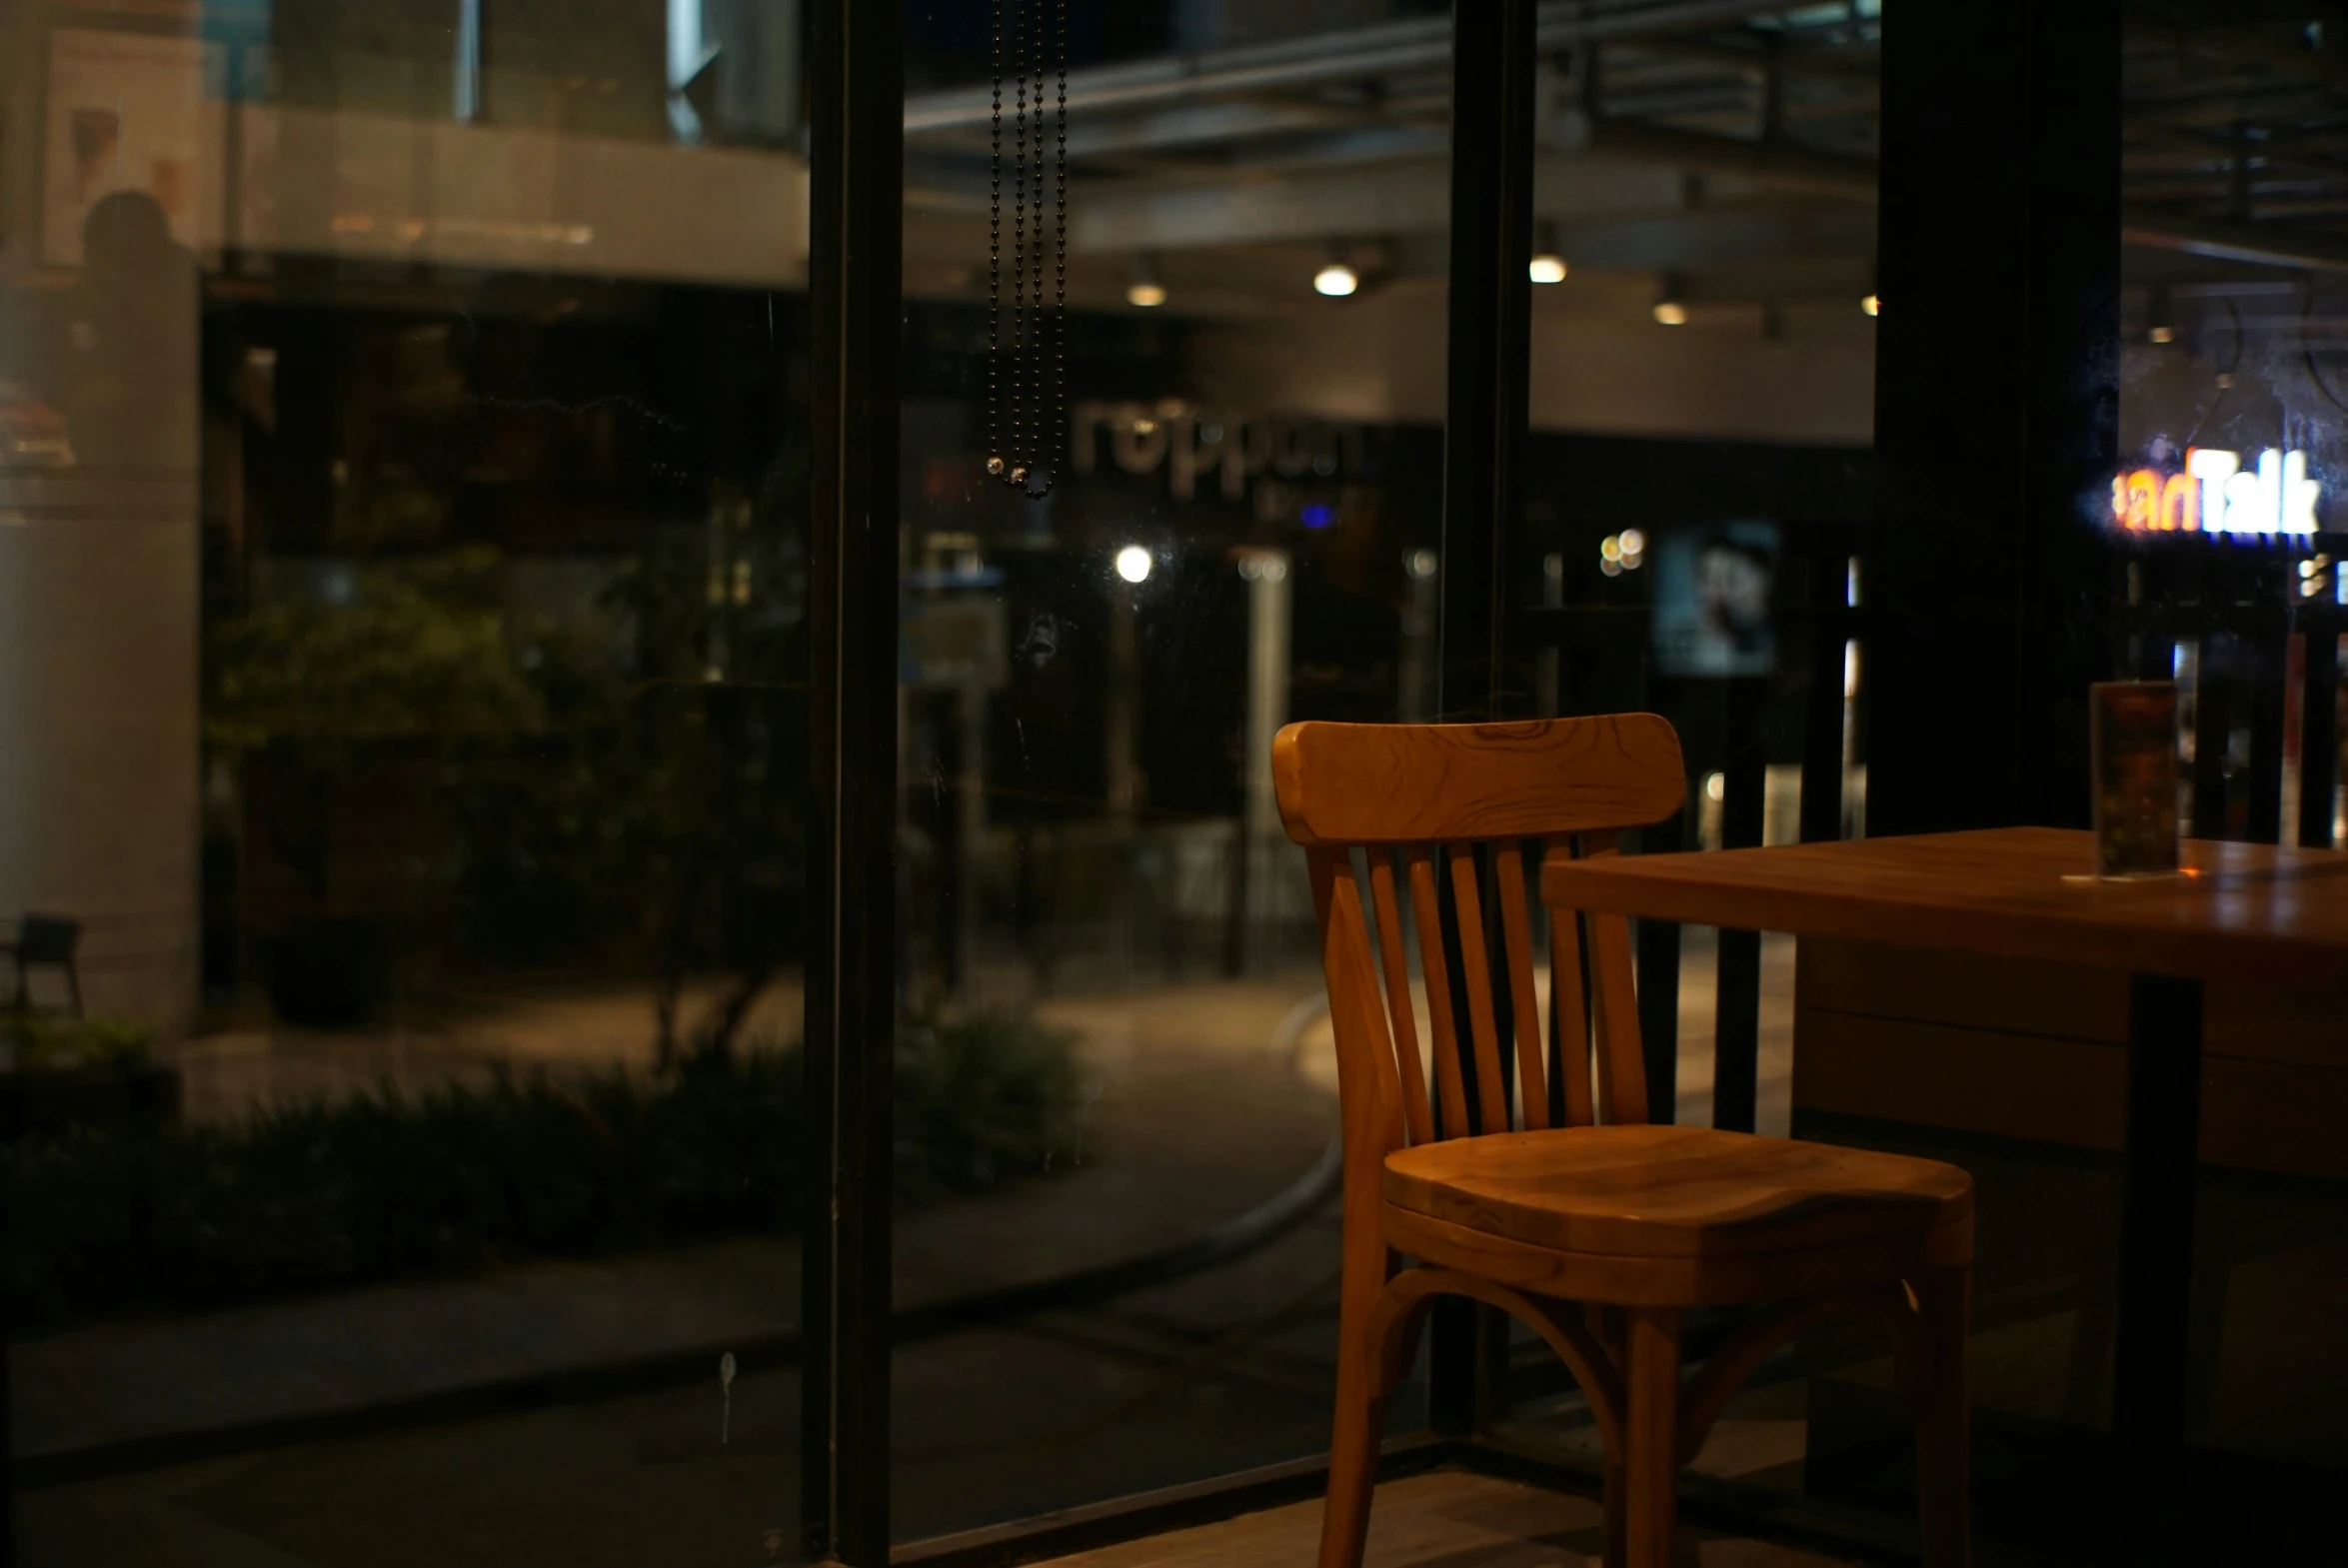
(1132, 563)
(1148, 290)
(1870, 303)
(1336, 280)
(1670, 302)
(1548, 264)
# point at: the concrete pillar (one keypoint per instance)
(99, 571)
(1265, 842)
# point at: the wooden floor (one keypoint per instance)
(1449, 1519)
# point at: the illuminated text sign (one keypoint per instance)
(2216, 495)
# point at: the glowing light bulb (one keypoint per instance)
(1145, 294)
(1336, 280)
(1872, 304)
(1671, 312)
(1132, 563)
(1547, 268)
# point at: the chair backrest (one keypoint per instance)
(47, 938)
(1456, 805)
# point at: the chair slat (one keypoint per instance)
(1622, 1074)
(1417, 1117)
(1570, 1008)
(1354, 1012)
(1491, 1094)
(1533, 1092)
(1425, 909)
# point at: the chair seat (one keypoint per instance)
(1643, 1191)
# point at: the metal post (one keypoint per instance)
(856, 82)
(1124, 700)
(2319, 726)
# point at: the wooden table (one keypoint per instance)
(2250, 912)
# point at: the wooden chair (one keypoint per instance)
(1576, 1218)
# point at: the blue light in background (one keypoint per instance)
(1318, 515)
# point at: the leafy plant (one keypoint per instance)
(410, 653)
(45, 1043)
(391, 1187)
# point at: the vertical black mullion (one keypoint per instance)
(1490, 342)
(1822, 810)
(2213, 727)
(2270, 682)
(855, 85)
(1998, 117)
(1658, 986)
(1736, 1038)
(2319, 721)
(7, 1434)
(1488, 371)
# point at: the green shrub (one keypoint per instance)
(47, 1043)
(389, 1186)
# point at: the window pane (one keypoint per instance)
(2233, 444)
(1102, 915)
(1697, 477)
(402, 731)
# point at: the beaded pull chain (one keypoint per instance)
(1026, 360)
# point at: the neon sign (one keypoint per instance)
(2216, 495)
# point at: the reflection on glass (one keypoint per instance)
(403, 600)
(2224, 510)
(1243, 533)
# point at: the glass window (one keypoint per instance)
(1697, 477)
(2224, 506)
(402, 661)
(1243, 447)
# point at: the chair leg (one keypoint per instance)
(1605, 1324)
(1360, 1419)
(1617, 1549)
(1650, 1436)
(1944, 1436)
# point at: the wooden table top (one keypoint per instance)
(2244, 912)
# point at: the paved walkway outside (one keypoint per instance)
(1197, 1117)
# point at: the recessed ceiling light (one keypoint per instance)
(1148, 289)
